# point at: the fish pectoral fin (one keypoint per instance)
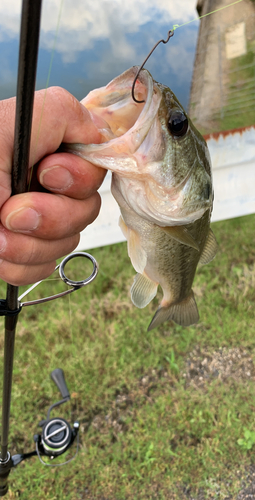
(136, 253)
(210, 249)
(182, 235)
(143, 291)
(185, 313)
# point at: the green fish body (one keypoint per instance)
(163, 184)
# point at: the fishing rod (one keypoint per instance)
(57, 435)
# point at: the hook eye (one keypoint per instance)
(74, 284)
(78, 284)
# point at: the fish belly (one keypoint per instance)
(161, 260)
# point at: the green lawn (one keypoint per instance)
(157, 420)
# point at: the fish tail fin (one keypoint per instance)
(185, 313)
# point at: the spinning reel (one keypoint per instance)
(57, 434)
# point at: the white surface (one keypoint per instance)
(105, 229)
(233, 161)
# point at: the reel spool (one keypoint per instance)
(57, 434)
(56, 437)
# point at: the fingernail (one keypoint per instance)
(3, 243)
(57, 178)
(23, 219)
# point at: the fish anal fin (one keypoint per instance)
(182, 235)
(210, 249)
(136, 253)
(143, 291)
(184, 313)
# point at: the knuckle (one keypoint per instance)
(19, 275)
(31, 254)
(97, 205)
(58, 92)
(66, 99)
(72, 243)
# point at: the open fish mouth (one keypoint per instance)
(117, 112)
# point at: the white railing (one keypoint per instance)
(233, 161)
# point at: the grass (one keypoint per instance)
(147, 432)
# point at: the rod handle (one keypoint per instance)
(59, 378)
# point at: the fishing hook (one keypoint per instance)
(169, 35)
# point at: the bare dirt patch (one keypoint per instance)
(205, 365)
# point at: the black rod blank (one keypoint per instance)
(28, 51)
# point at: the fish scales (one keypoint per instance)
(167, 257)
(162, 182)
(169, 263)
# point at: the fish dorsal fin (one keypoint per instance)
(182, 235)
(185, 313)
(143, 291)
(136, 253)
(210, 249)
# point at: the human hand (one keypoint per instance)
(36, 228)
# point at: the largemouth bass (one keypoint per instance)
(162, 182)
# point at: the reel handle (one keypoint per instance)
(59, 378)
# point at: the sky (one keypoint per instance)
(99, 39)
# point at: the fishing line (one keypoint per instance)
(38, 134)
(169, 35)
(46, 88)
(70, 321)
(175, 26)
(37, 140)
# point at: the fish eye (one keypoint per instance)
(178, 123)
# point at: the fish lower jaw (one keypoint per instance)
(163, 215)
(148, 205)
(173, 218)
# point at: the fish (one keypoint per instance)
(162, 182)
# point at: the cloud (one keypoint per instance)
(82, 24)
(100, 39)
(9, 19)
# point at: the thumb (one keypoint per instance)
(57, 117)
